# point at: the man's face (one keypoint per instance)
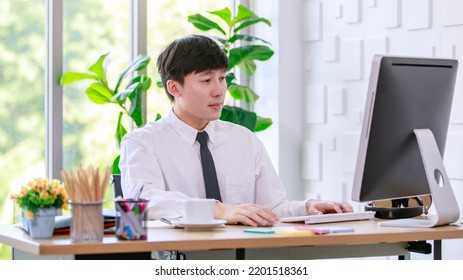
(200, 98)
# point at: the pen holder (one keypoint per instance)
(87, 221)
(130, 222)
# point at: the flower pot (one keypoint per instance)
(42, 224)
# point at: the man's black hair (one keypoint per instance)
(190, 54)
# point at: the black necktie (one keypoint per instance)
(209, 174)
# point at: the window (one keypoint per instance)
(90, 28)
(22, 124)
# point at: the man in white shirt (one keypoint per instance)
(164, 157)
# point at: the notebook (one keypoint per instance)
(330, 218)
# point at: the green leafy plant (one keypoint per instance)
(242, 56)
(128, 98)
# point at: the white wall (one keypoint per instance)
(317, 91)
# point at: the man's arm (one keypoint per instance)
(140, 167)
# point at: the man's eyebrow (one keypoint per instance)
(208, 72)
(204, 73)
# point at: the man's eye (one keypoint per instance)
(206, 80)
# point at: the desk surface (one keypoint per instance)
(229, 237)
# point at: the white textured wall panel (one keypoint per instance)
(352, 11)
(352, 59)
(448, 51)
(312, 21)
(453, 157)
(312, 161)
(392, 12)
(456, 116)
(331, 48)
(348, 148)
(452, 12)
(337, 101)
(374, 45)
(417, 14)
(316, 101)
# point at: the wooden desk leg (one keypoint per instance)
(438, 249)
(240, 253)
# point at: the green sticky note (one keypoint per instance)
(260, 230)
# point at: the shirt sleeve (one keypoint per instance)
(271, 192)
(139, 167)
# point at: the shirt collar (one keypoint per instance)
(187, 132)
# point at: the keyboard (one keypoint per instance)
(330, 218)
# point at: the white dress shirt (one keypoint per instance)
(164, 158)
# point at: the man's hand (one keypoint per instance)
(248, 214)
(317, 207)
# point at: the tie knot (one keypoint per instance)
(202, 137)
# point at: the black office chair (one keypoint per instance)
(117, 185)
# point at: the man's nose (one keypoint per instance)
(219, 88)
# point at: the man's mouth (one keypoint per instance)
(216, 105)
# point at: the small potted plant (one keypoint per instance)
(40, 201)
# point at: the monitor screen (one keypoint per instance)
(404, 94)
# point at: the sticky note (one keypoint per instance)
(314, 230)
(294, 232)
(260, 230)
(335, 229)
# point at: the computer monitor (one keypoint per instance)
(404, 129)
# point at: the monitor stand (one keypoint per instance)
(445, 204)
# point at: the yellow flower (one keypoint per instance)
(54, 183)
(38, 181)
(23, 191)
(44, 195)
(37, 194)
(29, 214)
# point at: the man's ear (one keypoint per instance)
(173, 88)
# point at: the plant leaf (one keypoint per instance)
(158, 117)
(120, 129)
(263, 123)
(140, 63)
(251, 52)
(122, 95)
(247, 38)
(99, 69)
(143, 83)
(230, 77)
(72, 77)
(248, 67)
(243, 14)
(240, 92)
(136, 110)
(250, 22)
(204, 24)
(224, 14)
(223, 42)
(116, 169)
(239, 116)
(99, 93)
